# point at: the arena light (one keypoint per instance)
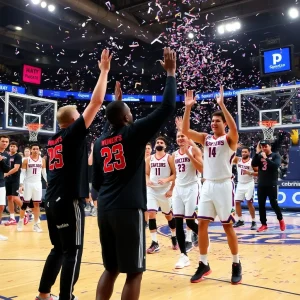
(293, 13)
(35, 2)
(18, 28)
(51, 8)
(229, 27)
(191, 35)
(44, 4)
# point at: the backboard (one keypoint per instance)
(281, 104)
(21, 110)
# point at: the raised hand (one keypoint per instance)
(178, 122)
(220, 98)
(258, 147)
(169, 62)
(118, 91)
(104, 64)
(189, 99)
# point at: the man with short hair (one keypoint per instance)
(67, 189)
(12, 182)
(119, 175)
(160, 173)
(268, 164)
(245, 187)
(4, 168)
(148, 150)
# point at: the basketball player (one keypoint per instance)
(33, 168)
(12, 182)
(119, 175)
(160, 173)
(148, 150)
(187, 161)
(268, 164)
(4, 168)
(67, 189)
(218, 189)
(245, 187)
(26, 152)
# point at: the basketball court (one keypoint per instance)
(270, 260)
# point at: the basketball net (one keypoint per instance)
(268, 129)
(33, 129)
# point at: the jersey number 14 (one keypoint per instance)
(117, 152)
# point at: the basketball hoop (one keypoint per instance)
(33, 129)
(268, 128)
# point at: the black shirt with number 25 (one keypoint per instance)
(68, 163)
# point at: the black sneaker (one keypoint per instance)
(174, 243)
(253, 225)
(153, 248)
(195, 239)
(239, 223)
(188, 246)
(203, 270)
(236, 277)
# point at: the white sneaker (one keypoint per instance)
(3, 238)
(183, 261)
(37, 228)
(20, 225)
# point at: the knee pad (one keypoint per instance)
(172, 224)
(24, 206)
(152, 224)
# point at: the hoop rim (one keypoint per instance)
(34, 126)
(268, 123)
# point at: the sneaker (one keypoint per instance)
(188, 246)
(239, 223)
(153, 248)
(11, 222)
(87, 208)
(94, 212)
(20, 225)
(262, 228)
(174, 243)
(282, 225)
(253, 226)
(195, 239)
(3, 238)
(202, 271)
(183, 261)
(37, 228)
(52, 297)
(236, 276)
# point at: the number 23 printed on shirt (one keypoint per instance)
(118, 153)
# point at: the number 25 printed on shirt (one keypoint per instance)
(117, 152)
(55, 157)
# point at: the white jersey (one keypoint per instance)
(241, 167)
(34, 170)
(159, 169)
(218, 158)
(186, 173)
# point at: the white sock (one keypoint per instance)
(203, 258)
(21, 219)
(154, 236)
(173, 233)
(12, 216)
(235, 259)
(253, 219)
(240, 218)
(92, 204)
(188, 236)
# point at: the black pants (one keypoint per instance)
(66, 228)
(262, 193)
(122, 237)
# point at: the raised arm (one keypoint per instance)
(145, 128)
(189, 101)
(233, 135)
(99, 92)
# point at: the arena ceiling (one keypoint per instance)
(80, 26)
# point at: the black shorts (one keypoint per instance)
(122, 237)
(12, 188)
(94, 194)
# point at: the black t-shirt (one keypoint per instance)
(267, 168)
(68, 163)
(15, 159)
(4, 167)
(119, 158)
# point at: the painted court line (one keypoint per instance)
(171, 273)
